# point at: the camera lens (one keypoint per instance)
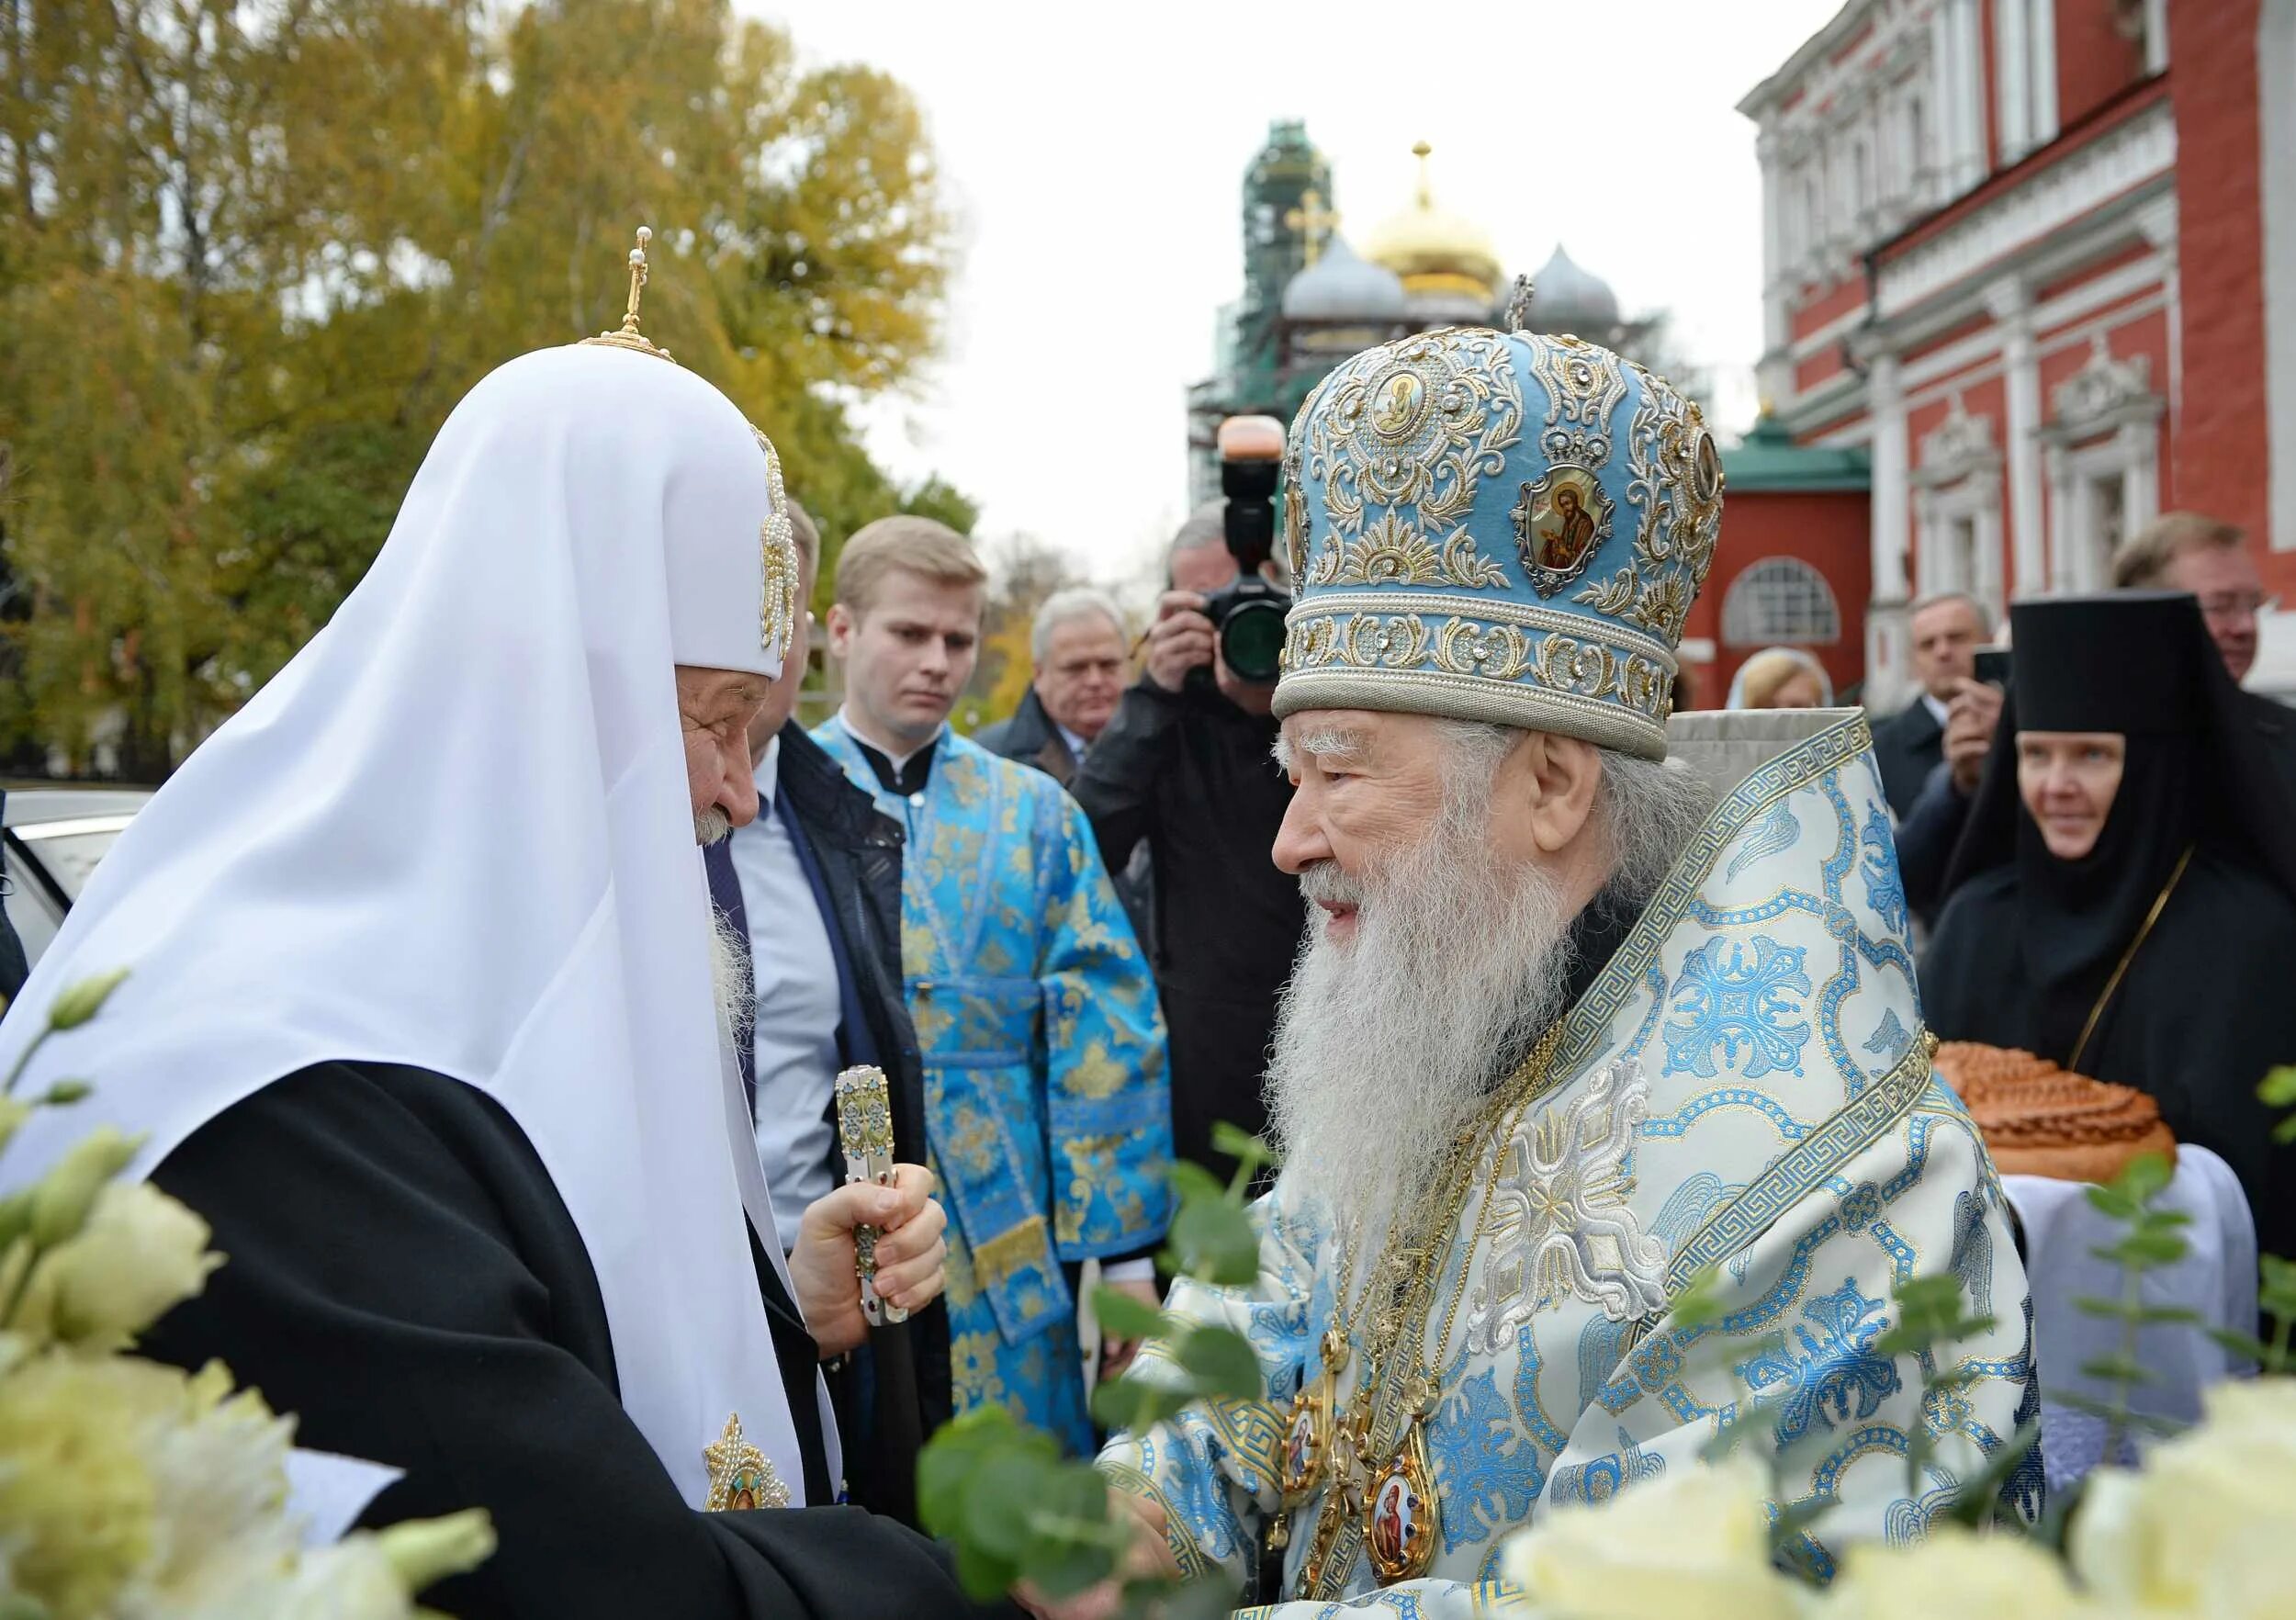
(1251, 640)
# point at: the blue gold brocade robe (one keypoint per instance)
(1046, 1103)
(1746, 1086)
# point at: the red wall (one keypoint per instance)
(2220, 443)
(1829, 532)
(2096, 61)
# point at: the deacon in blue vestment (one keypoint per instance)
(1596, 1016)
(1047, 1107)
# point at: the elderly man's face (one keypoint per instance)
(1367, 788)
(1081, 679)
(1442, 869)
(714, 708)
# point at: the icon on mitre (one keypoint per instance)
(1559, 523)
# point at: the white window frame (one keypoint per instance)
(1746, 621)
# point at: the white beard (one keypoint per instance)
(711, 825)
(729, 980)
(1388, 1042)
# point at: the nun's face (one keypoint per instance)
(1798, 691)
(2067, 779)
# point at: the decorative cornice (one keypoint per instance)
(1957, 446)
(2143, 149)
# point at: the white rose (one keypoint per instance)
(1694, 1541)
(2208, 1526)
(138, 1255)
(1952, 1571)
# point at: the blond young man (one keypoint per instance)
(1045, 1094)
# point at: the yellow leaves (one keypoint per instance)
(258, 268)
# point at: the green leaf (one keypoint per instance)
(1005, 1491)
(1130, 1404)
(2142, 1250)
(2278, 1087)
(2118, 1369)
(1191, 1182)
(1222, 1364)
(2143, 1176)
(2244, 1345)
(1215, 1242)
(1980, 1501)
(2285, 1131)
(946, 1469)
(1242, 1145)
(984, 1575)
(1121, 1316)
(1700, 1302)
(2112, 1201)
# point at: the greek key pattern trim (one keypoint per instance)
(1801, 1169)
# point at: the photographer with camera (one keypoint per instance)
(1188, 766)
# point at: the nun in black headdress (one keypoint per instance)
(2125, 894)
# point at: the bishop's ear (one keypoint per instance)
(1550, 780)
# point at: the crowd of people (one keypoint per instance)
(522, 1127)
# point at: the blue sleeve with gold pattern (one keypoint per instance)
(1110, 1102)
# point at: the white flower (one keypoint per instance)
(1952, 1571)
(2209, 1527)
(1695, 1541)
(139, 1253)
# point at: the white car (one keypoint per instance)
(54, 838)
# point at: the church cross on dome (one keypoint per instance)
(1313, 222)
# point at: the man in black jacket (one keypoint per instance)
(1187, 766)
(1947, 631)
(1077, 647)
(813, 888)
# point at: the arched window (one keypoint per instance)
(1780, 599)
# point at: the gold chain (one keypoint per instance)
(1406, 1242)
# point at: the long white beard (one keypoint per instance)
(1387, 1043)
(729, 979)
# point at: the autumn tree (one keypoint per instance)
(255, 249)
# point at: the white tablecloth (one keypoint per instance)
(2217, 1278)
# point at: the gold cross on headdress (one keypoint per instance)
(627, 335)
(1312, 222)
(1519, 305)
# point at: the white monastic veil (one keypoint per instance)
(454, 833)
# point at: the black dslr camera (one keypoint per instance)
(1248, 612)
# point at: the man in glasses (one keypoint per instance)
(2185, 551)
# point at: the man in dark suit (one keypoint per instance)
(811, 891)
(1077, 647)
(1910, 745)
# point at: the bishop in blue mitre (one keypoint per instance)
(1605, 1100)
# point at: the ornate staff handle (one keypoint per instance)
(865, 1126)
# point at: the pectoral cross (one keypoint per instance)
(1312, 222)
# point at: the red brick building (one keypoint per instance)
(2037, 259)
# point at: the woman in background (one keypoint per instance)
(2124, 894)
(1780, 677)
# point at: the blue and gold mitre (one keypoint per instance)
(1498, 526)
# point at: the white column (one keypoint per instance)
(2061, 546)
(1969, 67)
(1773, 276)
(1944, 103)
(2041, 71)
(2156, 35)
(2140, 474)
(2276, 71)
(2012, 77)
(2012, 306)
(1886, 644)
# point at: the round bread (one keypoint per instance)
(2039, 1120)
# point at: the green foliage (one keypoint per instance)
(1017, 1511)
(2150, 1239)
(2278, 1090)
(253, 251)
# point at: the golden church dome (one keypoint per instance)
(1433, 249)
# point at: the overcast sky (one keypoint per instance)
(1095, 157)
